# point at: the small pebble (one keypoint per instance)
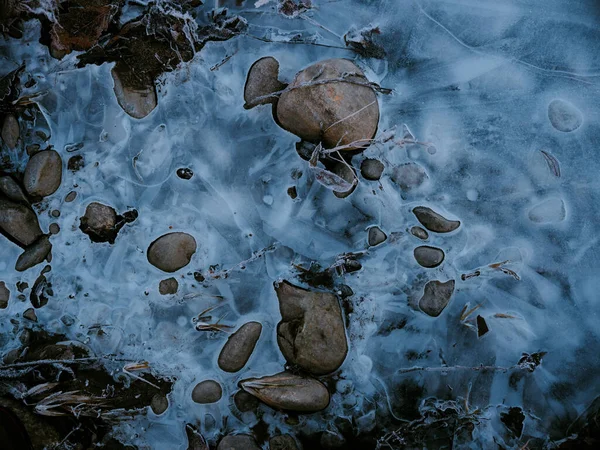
(419, 233)
(70, 196)
(371, 169)
(429, 257)
(54, 228)
(208, 391)
(159, 404)
(184, 173)
(376, 236)
(168, 286)
(29, 314)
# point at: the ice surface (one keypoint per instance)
(473, 80)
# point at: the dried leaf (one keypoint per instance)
(504, 316)
(552, 162)
(464, 315)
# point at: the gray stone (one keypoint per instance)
(288, 391)
(238, 442)
(436, 297)
(99, 222)
(262, 80)
(34, 254)
(283, 442)
(137, 102)
(12, 191)
(4, 295)
(43, 173)
(318, 109)
(409, 176)
(564, 116)
(245, 402)
(10, 131)
(346, 173)
(433, 221)
(429, 257)
(420, 233)
(172, 251)
(70, 196)
(239, 347)
(311, 333)
(208, 391)
(29, 314)
(54, 228)
(371, 169)
(168, 286)
(19, 222)
(159, 404)
(376, 236)
(195, 440)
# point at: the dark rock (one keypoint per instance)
(362, 41)
(67, 320)
(55, 213)
(409, 176)
(371, 169)
(34, 254)
(208, 391)
(22, 285)
(159, 404)
(12, 191)
(283, 442)
(239, 347)
(75, 163)
(482, 327)
(429, 257)
(376, 236)
(330, 102)
(172, 251)
(168, 286)
(19, 223)
(195, 440)
(137, 101)
(331, 440)
(292, 192)
(436, 297)
(4, 295)
(345, 291)
(29, 314)
(311, 333)
(199, 277)
(70, 196)
(245, 402)
(420, 233)
(99, 222)
(433, 221)
(513, 420)
(238, 442)
(564, 116)
(184, 173)
(43, 173)
(346, 173)
(130, 216)
(262, 81)
(290, 392)
(54, 228)
(40, 291)
(10, 131)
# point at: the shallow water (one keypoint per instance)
(474, 82)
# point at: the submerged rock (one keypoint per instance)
(420, 233)
(409, 176)
(329, 102)
(436, 297)
(376, 236)
(4, 295)
(208, 391)
(137, 101)
(172, 251)
(287, 391)
(262, 80)
(99, 222)
(346, 173)
(195, 440)
(43, 173)
(19, 223)
(184, 173)
(311, 333)
(550, 210)
(168, 286)
(429, 257)
(245, 402)
(238, 442)
(283, 442)
(433, 221)
(11, 190)
(371, 169)
(10, 131)
(30, 314)
(34, 254)
(564, 116)
(239, 347)
(159, 404)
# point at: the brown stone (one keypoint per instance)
(19, 223)
(239, 347)
(208, 391)
(436, 297)
(262, 81)
(433, 221)
(43, 173)
(172, 251)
